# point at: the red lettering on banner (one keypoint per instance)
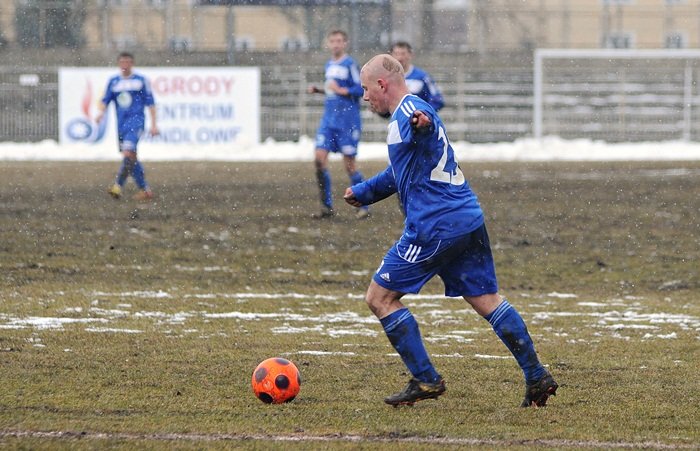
(159, 85)
(212, 86)
(178, 85)
(228, 84)
(193, 86)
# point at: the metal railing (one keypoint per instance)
(653, 100)
(482, 106)
(28, 104)
(617, 95)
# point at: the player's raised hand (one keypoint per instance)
(420, 121)
(350, 198)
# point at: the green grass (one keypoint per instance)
(166, 311)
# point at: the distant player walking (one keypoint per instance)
(341, 126)
(131, 93)
(444, 235)
(419, 82)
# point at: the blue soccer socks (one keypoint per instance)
(356, 177)
(511, 329)
(323, 176)
(402, 330)
(132, 168)
(139, 176)
(125, 171)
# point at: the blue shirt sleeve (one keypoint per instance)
(109, 94)
(436, 100)
(376, 188)
(433, 94)
(147, 93)
(355, 88)
(428, 90)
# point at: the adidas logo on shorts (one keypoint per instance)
(385, 276)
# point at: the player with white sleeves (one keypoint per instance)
(444, 235)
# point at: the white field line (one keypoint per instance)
(193, 437)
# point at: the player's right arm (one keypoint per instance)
(101, 107)
(104, 103)
(315, 89)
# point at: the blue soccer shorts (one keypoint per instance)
(465, 265)
(338, 140)
(129, 139)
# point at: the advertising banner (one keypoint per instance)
(195, 106)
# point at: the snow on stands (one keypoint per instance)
(547, 149)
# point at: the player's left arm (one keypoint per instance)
(372, 190)
(354, 88)
(154, 127)
(421, 123)
(437, 102)
(436, 99)
(150, 103)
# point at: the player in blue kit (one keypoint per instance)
(341, 126)
(419, 82)
(131, 94)
(444, 235)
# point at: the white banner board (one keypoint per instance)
(196, 106)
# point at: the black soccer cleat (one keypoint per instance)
(536, 395)
(416, 391)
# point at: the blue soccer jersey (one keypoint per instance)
(437, 200)
(131, 95)
(421, 84)
(343, 112)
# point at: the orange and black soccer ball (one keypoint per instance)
(276, 380)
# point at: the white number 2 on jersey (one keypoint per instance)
(439, 174)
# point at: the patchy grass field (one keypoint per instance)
(130, 326)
